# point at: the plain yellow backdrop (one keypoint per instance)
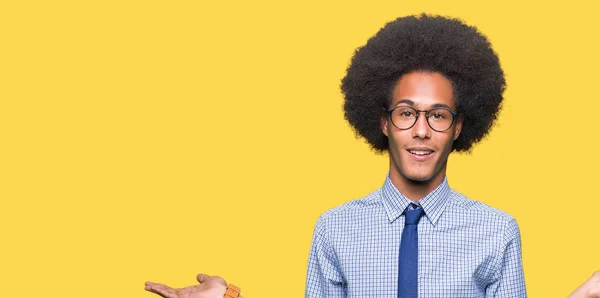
(152, 140)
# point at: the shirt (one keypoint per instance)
(466, 248)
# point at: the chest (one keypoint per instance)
(455, 260)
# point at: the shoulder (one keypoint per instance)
(464, 204)
(484, 214)
(354, 208)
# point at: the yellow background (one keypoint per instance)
(152, 140)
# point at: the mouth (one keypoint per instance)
(420, 154)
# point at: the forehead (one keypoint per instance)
(425, 89)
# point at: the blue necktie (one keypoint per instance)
(409, 255)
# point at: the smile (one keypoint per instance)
(420, 152)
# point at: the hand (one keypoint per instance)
(590, 289)
(209, 287)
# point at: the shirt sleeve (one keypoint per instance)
(324, 277)
(510, 281)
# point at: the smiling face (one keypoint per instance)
(418, 155)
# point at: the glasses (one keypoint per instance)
(439, 119)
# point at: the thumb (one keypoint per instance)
(213, 280)
(202, 277)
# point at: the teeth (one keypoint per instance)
(420, 152)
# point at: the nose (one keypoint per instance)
(421, 128)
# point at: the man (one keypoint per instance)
(422, 87)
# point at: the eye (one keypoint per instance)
(405, 112)
(437, 115)
(440, 115)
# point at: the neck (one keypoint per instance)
(416, 190)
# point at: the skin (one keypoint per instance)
(208, 287)
(413, 177)
(589, 289)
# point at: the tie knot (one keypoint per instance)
(413, 216)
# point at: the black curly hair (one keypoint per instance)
(424, 43)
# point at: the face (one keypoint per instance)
(420, 154)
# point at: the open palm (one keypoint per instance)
(209, 287)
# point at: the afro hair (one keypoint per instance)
(424, 43)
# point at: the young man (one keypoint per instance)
(421, 88)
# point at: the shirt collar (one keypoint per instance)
(433, 203)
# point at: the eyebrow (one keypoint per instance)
(412, 103)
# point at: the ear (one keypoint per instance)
(458, 127)
(384, 125)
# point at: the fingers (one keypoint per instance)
(594, 290)
(160, 289)
(589, 289)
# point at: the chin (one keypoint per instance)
(419, 178)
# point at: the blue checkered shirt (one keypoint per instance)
(466, 248)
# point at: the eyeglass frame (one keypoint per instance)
(454, 115)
